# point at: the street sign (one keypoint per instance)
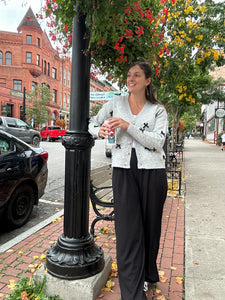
(102, 96)
(220, 112)
(19, 94)
(4, 110)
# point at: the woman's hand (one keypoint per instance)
(113, 123)
(118, 123)
(104, 131)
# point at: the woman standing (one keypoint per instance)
(139, 178)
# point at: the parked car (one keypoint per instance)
(20, 129)
(23, 178)
(52, 133)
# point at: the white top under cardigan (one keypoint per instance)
(148, 129)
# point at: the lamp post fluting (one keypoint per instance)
(75, 255)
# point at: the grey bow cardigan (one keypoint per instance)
(148, 129)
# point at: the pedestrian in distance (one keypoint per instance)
(139, 178)
(223, 141)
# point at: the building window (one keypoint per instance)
(34, 84)
(54, 94)
(17, 85)
(64, 76)
(54, 73)
(60, 99)
(68, 101)
(61, 75)
(68, 79)
(38, 43)
(64, 102)
(8, 58)
(28, 57)
(1, 58)
(48, 69)
(29, 39)
(38, 60)
(45, 67)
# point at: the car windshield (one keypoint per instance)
(21, 124)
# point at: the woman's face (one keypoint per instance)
(136, 81)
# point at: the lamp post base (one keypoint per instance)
(80, 289)
(74, 259)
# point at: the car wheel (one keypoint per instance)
(36, 140)
(20, 206)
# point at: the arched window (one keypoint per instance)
(8, 58)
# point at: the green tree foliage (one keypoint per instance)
(191, 116)
(182, 41)
(95, 109)
(41, 96)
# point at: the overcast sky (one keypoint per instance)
(13, 12)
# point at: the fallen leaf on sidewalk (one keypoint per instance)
(161, 273)
(12, 284)
(179, 280)
(104, 230)
(114, 270)
(43, 256)
(10, 250)
(163, 279)
(52, 242)
(161, 297)
(195, 262)
(173, 268)
(108, 286)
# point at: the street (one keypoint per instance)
(53, 199)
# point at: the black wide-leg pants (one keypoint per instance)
(139, 196)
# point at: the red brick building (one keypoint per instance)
(27, 59)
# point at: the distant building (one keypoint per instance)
(27, 59)
(214, 123)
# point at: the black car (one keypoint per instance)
(20, 129)
(23, 178)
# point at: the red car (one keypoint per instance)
(52, 133)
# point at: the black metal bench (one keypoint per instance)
(101, 195)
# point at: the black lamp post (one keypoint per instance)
(75, 254)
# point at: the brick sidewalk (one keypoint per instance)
(23, 258)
